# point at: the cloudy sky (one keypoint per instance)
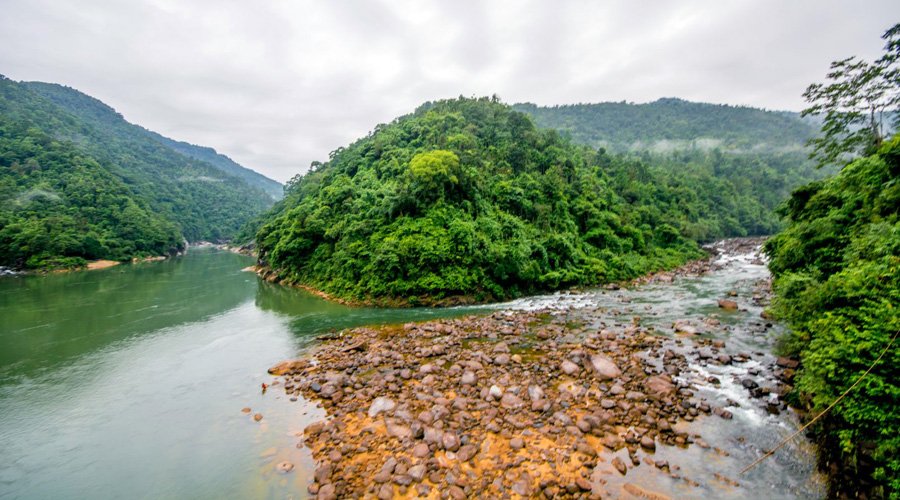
(278, 84)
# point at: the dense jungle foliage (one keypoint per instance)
(837, 270)
(467, 198)
(668, 124)
(79, 182)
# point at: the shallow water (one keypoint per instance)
(790, 472)
(129, 381)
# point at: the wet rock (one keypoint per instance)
(323, 473)
(723, 413)
(257, 417)
(728, 305)
(327, 492)
(286, 367)
(619, 465)
(684, 326)
(381, 404)
(246, 410)
(583, 484)
(284, 467)
(648, 443)
(786, 362)
(749, 383)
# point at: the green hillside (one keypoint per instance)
(146, 198)
(467, 198)
(225, 164)
(670, 124)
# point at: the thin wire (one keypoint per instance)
(826, 410)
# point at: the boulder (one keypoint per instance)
(381, 404)
(603, 367)
(290, 366)
(728, 305)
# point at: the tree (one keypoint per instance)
(855, 103)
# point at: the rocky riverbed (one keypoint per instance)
(563, 401)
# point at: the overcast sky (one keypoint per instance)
(278, 84)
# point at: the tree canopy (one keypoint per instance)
(468, 199)
(855, 104)
(79, 182)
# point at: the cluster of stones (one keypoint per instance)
(491, 406)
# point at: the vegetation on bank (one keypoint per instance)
(837, 279)
(467, 198)
(78, 182)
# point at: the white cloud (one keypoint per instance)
(277, 84)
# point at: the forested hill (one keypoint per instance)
(675, 124)
(225, 164)
(468, 198)
(77, 181)
(89, 109)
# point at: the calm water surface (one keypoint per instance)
(128, 382)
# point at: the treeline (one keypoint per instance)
(79, 182)
(674, 123)
(467, 198)
(837, 270)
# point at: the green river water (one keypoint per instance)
(128, 382)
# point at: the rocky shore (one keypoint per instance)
(513, 404)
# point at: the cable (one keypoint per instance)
(826, 410)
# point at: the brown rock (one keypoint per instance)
(466, 453)
(619, 465)
(286, 367)
(728, 305)
(603, 367)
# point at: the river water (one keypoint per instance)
(129, 381)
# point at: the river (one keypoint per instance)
(129, 381)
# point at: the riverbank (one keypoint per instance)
(530, 402)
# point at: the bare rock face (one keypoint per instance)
(603, 367)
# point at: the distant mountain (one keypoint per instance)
(77, 181)
(225, 164)
(675, 124)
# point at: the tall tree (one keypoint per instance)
(856, 101)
